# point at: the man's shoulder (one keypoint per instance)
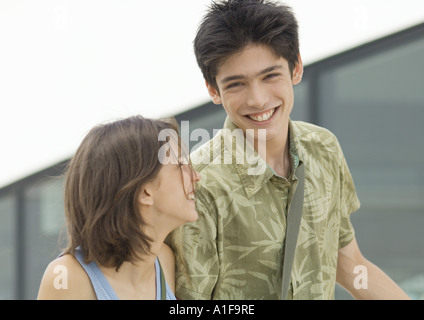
(210, 154)
(216, 166)
(308, 133)
(305, 129)
(317, 141)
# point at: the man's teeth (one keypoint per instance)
(262, 117)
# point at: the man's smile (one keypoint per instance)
(263, 116)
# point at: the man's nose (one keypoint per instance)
(257, 96)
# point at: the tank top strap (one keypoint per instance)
(104, 290)
(100, 284)
(163, 291)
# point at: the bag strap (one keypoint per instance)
(293, 224)
(162, 284)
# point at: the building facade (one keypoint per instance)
(371, 97)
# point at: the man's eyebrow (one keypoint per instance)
(270, 69)
(231, 78)
(241, 77)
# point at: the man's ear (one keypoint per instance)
(145, 196)
(297, 71)
(213, 93)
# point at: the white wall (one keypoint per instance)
(68, 65)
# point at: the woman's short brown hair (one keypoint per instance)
(102, 183)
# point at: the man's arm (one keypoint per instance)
(373, 283)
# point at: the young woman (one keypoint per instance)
(126, 189)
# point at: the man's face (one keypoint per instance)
(256, 90)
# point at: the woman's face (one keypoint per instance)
(173, 196)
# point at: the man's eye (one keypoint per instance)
(234, 85)
(271, 75)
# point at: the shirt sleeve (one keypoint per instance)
(349, 202)
(197, 263)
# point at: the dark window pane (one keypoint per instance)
(7, 247)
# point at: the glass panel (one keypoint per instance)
(375, 106)
(199, 130)
(44, 222)
(7, 247)
(301, 102)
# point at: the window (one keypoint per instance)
(7, 247)
(44, 223)
(375, 106)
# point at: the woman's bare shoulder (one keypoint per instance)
(65, 279)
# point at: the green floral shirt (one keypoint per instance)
(234, 250)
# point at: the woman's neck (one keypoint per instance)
(135, 280)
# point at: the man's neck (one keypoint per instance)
(277, 154)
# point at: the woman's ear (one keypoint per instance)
(213, 93)
(145, 196)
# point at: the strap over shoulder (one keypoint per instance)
(293, 224)
(162, 283)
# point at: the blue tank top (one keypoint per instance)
(104, 290)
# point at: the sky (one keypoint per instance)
(66, 66)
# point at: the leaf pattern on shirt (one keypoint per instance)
(235, 249)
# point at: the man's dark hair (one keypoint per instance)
(230, 25)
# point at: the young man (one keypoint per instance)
(248, 52)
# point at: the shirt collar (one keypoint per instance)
(253, 171)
